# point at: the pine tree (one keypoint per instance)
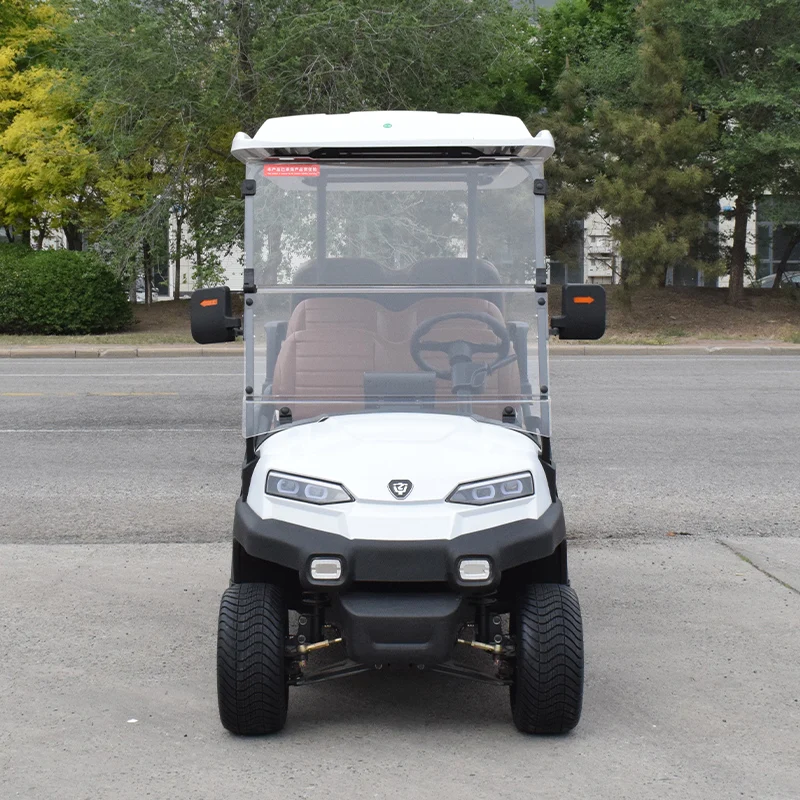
(656, 182)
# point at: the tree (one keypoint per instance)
(656, 179)
(46, 170)
(585, 51)
(572, 170)
(742, 67)
(167, 85)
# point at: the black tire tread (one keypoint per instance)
(547, 694)
(251, 671)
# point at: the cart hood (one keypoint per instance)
(364, 452)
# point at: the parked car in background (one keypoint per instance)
(788, 279)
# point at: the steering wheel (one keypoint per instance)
(459, 350)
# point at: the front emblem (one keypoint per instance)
(400, 489)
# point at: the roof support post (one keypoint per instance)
(472, 219)
(322, 223)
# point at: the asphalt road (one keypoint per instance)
(117, 481)
(146, 450)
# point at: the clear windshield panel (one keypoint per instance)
(388, 223)
(322, 351)
(392, 286)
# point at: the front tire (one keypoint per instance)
(547, 692)
(252, 688)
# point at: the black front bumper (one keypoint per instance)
(373, 561)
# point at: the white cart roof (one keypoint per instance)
(492, 134)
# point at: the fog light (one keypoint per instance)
(325, 569)
(474, 569)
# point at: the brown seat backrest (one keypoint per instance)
(332, 341)
(325, 366)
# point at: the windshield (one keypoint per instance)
(386, 286)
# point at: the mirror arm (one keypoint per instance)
(234, 324)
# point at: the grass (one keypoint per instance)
(132, 338)
(650, 316)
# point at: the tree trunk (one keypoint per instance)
(41, 234)
(148, 271)
(74, 236)
(274, 253)
(199, 282)
(176, 293)
(624, 273)
(26, 237)
(9, 229)
(741, 215)
(794, 240)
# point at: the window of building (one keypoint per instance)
(773, 237)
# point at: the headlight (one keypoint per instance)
(494, 490)
(307, 490)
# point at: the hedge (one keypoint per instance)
(59, 292)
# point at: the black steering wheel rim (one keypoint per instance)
(496, 326)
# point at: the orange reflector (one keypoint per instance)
(212, 302)
(583, 299)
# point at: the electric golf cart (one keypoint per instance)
(398, 488)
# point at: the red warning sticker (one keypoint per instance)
(291, 170)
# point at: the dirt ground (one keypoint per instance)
(657, 316)
(647, 316)
(689, 315)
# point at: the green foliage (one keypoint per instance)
(59, 292)
(743, 64)
(657, 179)
(595, 38)
(627, 140)
(166, 85)
(585, 51)
(46, 170)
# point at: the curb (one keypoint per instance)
(674, 350)
(195, 351)
(163, 351)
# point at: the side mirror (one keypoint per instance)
(210, 316)
(583, 312)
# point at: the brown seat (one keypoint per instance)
(326, 366)
(332, 341)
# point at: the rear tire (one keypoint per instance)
(252, 688)
(547, 692)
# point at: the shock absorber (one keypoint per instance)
(316, 615)
(483, 617)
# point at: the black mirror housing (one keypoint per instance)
(211, 316)
(583, 312)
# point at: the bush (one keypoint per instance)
(59, 292)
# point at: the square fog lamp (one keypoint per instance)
(474, 569)
(325, 569)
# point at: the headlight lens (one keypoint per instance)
(307, 490)
(494, 490)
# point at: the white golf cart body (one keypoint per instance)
(398, 482)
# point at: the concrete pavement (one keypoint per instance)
(679, 478)
(108, 690)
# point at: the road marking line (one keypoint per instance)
(131, 394)
(120, 374)
(119, 430)
(89, 394)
